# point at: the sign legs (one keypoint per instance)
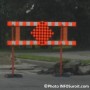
(61, 37)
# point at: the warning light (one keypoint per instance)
(42, 33)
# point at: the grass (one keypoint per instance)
(39, 58)
(85, 61)
(48, 58)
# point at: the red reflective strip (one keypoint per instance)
(52, 43)
(74, 43)
(16, 23)
(9, 43)
(38, 23)
(31, 23)
(31, 42)
(24, 23)
(59, 23)
(9, 23)
(59, 43)
(24, 43)
(38, 42)
(66, 43)
(53, 23)
(45, 42)
(66, 24)
(46, 23)
(17, 42)
(73, 23)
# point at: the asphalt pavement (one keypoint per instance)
(33, 81)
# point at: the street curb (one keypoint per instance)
(37, 62)
(26, 64)
(18, 67)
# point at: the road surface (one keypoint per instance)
(33, 81)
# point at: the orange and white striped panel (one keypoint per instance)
(19, 23)
(24, 43)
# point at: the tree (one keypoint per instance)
(47, 10)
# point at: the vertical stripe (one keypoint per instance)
(63, 42)
(27, 23)
(56, 42)
(31, 42)
(35, 23)
(53, 24)
(56, 24)
(70, 23)
(17, 23)
(20, 42)
(59, 43)
(59, 23)
(74, 43)
(24, 42)
(45, 42)
(48, 42)
(70, 42)
(17, 33)
(13, 23)
(9, 43)
(66, 43)
(27, 42)
(66, 24)
(31, 23)
(63, 23)
(46, 23)
(35, 43)
(20, 24)
(52, 43)
(13, 43)
(9, 23)
(73, 23)
(24, 23)
(49, 24)
(65, 33)
(17, 42)
(38, 42)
